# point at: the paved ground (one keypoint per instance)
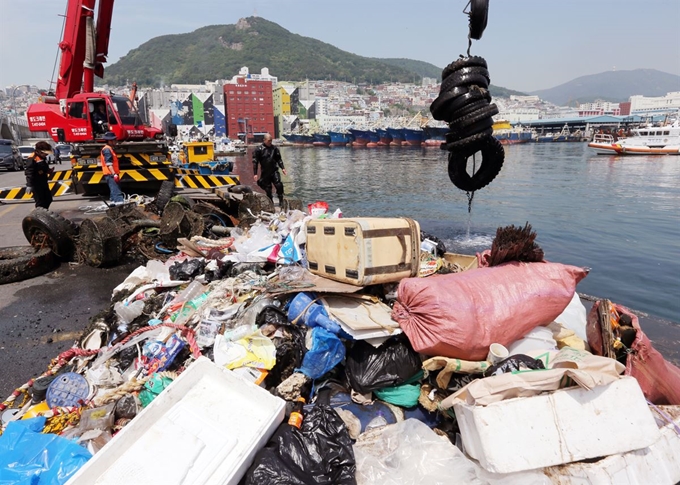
(43, 316)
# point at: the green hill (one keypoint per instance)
(420, 68)
(219, 51)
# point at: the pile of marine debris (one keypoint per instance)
(306, 349)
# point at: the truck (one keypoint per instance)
(78, 115)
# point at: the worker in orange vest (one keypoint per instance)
(109, 161)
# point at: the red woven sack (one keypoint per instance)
(460, 315)
(658, 378)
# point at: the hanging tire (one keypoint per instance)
(479, 16)
(44, 228)
(471, 61)
(469, 119)
(164, 195)
(493, 156)
(20, 263)
(455, 143)
(467, 76)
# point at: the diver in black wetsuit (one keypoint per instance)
(269, 157)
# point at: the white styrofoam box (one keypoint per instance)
(659, 464)
(205, 428)
(558, 427)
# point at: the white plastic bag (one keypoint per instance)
(410, 453)
(574, 317)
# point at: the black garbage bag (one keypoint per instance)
(290, 350)
(319, 453)
(187, 270)
(514, 363)
(393, 363)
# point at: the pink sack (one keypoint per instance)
(460, 315)
(658, 378)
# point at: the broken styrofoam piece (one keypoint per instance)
(203, 428)
(559, 427)
(657, 464)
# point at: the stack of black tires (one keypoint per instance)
(464, 102)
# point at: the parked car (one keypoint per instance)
(10, 158)
(26, 152)
(62, 152)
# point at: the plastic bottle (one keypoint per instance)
(193, 290)
(240, 332)
(296, 417)
(378, 422)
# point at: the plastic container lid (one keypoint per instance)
(67, 389)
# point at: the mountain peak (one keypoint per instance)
(614, 86)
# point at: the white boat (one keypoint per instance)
(660, 140)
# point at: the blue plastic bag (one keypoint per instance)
(28, 457)
(327, 352)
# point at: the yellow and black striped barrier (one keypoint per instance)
(204, 181)
(62, 175)
(142, 175)
(57, 188)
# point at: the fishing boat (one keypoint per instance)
(435, 135)
(321, 140)
(339, 139)
(397, 136)
(412, 137)
(385, 137)
(361, 137)
(299, 140)
(505, 133)
(661, 140)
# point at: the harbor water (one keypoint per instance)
(619, 216)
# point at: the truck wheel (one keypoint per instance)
(20, 263)
(44, 228)
(99, 242)
(493, 156)
(164, 194)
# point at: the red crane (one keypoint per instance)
(75, 113)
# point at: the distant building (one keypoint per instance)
(281, 100)
(641, 105)
(430, 81)
(525, 99)
(263, 76)
(599, 108)
(519, 114)
(249, 108)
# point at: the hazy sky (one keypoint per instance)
(529, 44)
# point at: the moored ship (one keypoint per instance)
(321, 140)
(385, 137)
(413, 137)
(435, 135)
(397, 136)
(339, 139)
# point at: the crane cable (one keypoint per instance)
(56, 57)
(464, 102)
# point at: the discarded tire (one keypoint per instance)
(464, 103)
(44, 228)
(164, 194)
(178, 222)
(479, 16)
(251, 205)
(18, 263)
(100, 243)
(492, 162)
